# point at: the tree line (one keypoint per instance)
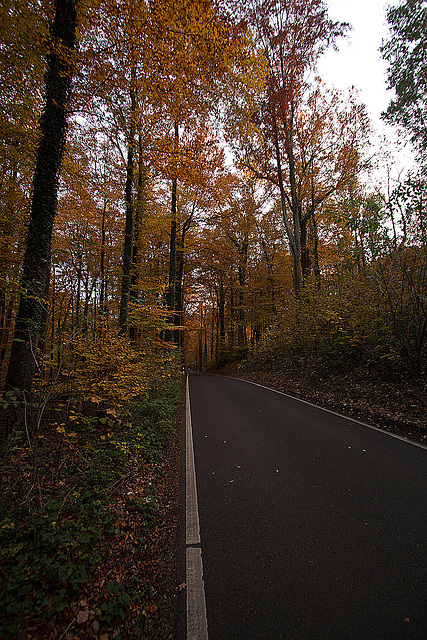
(176, 176)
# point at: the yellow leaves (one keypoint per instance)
(109, 368)
(61, 429)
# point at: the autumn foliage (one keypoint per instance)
(178, 187)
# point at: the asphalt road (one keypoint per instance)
(312, 525)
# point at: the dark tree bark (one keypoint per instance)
(220, 297)
(36, 267)
(128, 243)
(179, 302)
(305, 251)
(79, 289)
(316, 244)
(179, 279)
(231, 320)
(140, 210)
(140, 213)
(241, 328)
(296, 217)
(102, 294)
(6, 326)
(294, 238)
(171, 293)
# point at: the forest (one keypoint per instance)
(180, 188)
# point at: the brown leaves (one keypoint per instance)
(82, 616)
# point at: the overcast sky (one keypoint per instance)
(358, 62)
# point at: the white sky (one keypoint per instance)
(358, 62)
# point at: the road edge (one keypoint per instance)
(335, 413)
(197, 628)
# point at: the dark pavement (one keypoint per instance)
(312, 525)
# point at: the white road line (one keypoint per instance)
(192, 533)
(334, 413)
(197, 628)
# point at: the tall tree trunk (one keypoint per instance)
(212, 351)
(128, 243)
(36, 267)
(305, 251)
(79, 290)
(135, 263)
(200, 351)
(205, 346)
(221, 319)
(141, 196)
(241, 328)
(231, 322)
(88, 297)
(52, 327)
(295, 206)
(179, 279)
(316, 265)
(7, 323)
(294, 246)
(269, 266)
(171, 294)
(102, 293)
(179, 307)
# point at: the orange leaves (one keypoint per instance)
(110, 370)
(194, 161)
(109, 367)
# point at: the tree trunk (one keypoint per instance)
(295, 208)
(268, 264)
(295, 249)
(241, 330)
(128, 243)
(7, 323)
(221, 319)
(79, 291)
(135, 263)
(200, 351)
(102, 294)
(305, 251)
(36, 267)
(231, 323)
(52, 328)
(171, 294)
(179, 306)
(316, 265)
(212, 351)
(179, 279)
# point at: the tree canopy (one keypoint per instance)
(180, 189)
(406, 54)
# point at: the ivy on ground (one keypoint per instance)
(77, 518)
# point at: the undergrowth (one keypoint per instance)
(76, 515)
